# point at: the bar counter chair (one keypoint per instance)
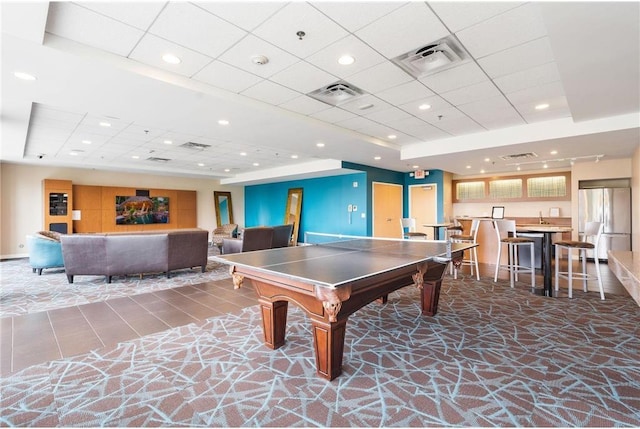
(472, 260)
(408, 225)
(589, 242)
(506, 233)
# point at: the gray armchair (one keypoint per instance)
(258, 238)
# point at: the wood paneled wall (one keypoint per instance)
(98, 211)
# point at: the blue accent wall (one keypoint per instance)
(325, 200)
(324, 204)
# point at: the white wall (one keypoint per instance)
(609, 169)
(21, 199)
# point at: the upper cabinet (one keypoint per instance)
(534, 187)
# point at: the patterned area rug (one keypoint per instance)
(22, 291)
(492, 356)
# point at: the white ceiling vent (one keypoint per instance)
(156, 159)
(337, 93)
(432, 58)
(519, 156)
(195, 146)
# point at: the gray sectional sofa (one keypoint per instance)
(134, 253)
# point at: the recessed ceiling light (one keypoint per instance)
(365, 106)
(86, 141)
(545, 165)
(518, 168)
(346, 60)
(468, 166)
(424, 106)
(481, 171)
(392, 136)
(487, 159)
(554, 152)
(294, 156)
(256, 164)
(168, 142)
(24, 76)
(542, 106)
(171, 59)
(243, 153)
(320, 144)
(73, 153)
(415, 166)
(135, 156)
(105, 124)
(377, 158)
(200, 164)
(226, 170)
(223, 122)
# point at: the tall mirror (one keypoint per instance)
(224, 209)
(292, 213)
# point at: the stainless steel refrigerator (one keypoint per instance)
(609, 202)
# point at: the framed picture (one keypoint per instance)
(497, 212)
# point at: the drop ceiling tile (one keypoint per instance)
(406, 28)
(518, 58)
(355, 15)
(462, 14)
(305, 105)
(356, 123)
(303, 77)
(471, 93)
(241, 54)
(388, 115)
(547, 115)
(509, 29)
(460, 126)
(77, 23)
(282, 27)
(436, 102)
(453, 78)
(355, 106)
(41, 111)
(271, 93)
(441, 116)
(535, 76)
(327, 58)
(536, 95)
(246, 15)
(225, 76)
(332, 115)
(196, 29)
(137, 14)
(406, 92)
(499, 118)
(380, 77)
(151, 49)
(558, 108)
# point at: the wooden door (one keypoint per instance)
(387, 210)
(423, 206)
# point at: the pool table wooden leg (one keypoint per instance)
(328, 340)
(274, 322)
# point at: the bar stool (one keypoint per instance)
(408, 225)
(508, 227)
(472, 238)
(590, 240)
(454, 229)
